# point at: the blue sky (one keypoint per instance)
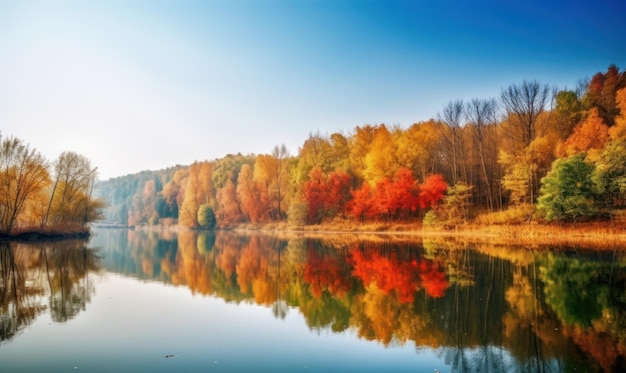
(137, 85)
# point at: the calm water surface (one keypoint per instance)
(147, 301)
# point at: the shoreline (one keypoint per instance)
(593, 234)
(39, 236)
(529, 234)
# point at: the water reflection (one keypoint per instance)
(49, 276)
(484, 308)
(479, 307)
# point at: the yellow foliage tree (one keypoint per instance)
(380, 161)
(360, 143)
(618, 131)
(416, 147)
(270, 170)
(516, 178)
(198, 191)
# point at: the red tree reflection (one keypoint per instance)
(403, 277)
(326, 273)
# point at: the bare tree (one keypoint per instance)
(452, 137)
(482, 118)
(524, 104)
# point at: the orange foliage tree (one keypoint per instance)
(591, 134)
(227, 209)
(252, 196)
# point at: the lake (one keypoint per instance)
(161, 301)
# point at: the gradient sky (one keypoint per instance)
(137, 85)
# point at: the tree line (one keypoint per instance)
(36, 194)
(522, 148)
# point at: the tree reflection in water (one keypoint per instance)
(35, 277)
(483, 307)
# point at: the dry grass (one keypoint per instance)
(513, 215)
(513, 227)
(507, 228)
(590, 235)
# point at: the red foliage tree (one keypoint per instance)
(405, 196)
(360, 206)
(397, 198)
(432, 190)
(326, 195)
(338, 188)
(314, 194)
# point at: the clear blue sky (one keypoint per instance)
(148, 84)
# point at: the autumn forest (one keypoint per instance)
(559, 153)
(535, 152)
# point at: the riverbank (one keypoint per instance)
(601, 235)
(44, 235)
(605, 234)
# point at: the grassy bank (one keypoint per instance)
(571, 234)
(581, 234)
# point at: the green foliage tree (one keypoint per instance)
(206, 216)
(610, 173)
(568, 191)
